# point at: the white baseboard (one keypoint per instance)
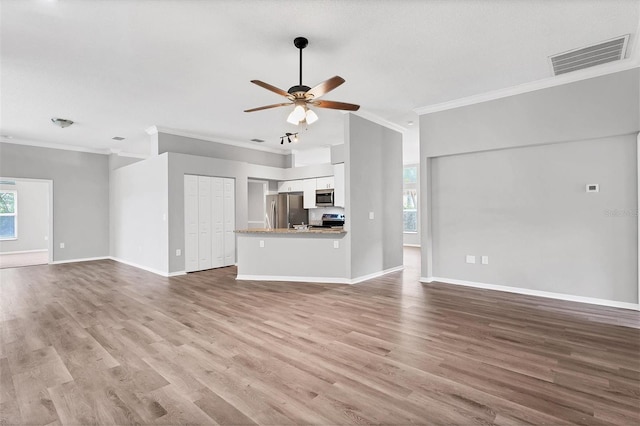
(539, 293)
(375, 275)
(146, 268)
(411, 245)
(324, 280)
(85, 259)
(175, 274)
(25, 251)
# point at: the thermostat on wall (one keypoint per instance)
(593, 187)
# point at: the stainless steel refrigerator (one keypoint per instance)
(286, 210)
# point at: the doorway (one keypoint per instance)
(26, 222)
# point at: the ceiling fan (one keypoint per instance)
(303, 96)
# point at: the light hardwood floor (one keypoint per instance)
(102, 342)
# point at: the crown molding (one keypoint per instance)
(623, 65)
(381, 121)
(53, 145)
(241, 144)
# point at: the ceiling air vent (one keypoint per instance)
(117, 138)
(585, 57)
(257, 140)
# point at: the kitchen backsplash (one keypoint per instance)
(315, 215)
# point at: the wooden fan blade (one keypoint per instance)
(267, 107)
(325, 87)
(274, 89)
(336, 105)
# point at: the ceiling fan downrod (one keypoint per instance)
(300, 43)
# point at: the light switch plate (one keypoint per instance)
(61, 245)
(471, 259)
(336, 244)
(371, 215)
(485, 260)
(178, 252)
(261, 243)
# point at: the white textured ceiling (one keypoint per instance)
(118, 67)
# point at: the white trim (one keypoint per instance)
(54, 145)
(14, 214)
(381, 121)
(411, 245)
(324, 280)
(177, 273)
(157, 129)
(136, 265)
(585, 74)
(529, 292)
(25, 251)
(49, 183)
(638, 188)
(375, 275)
(85, 259)
(121, 153)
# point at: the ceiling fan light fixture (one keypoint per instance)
(311, 117)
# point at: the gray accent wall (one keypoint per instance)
(32, 216)
(527, 209)
(185, 145)
(506, 179)
(80, 195)
(588, 109)
(373, 174)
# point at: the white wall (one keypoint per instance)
(80, 195)
(139, 214)
(32, 216)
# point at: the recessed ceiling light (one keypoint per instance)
(410, 123)
(117, 138)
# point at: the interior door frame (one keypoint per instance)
(50, 230)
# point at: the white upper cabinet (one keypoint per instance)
(339, 186)
(325, 183)
(291, 186)
(309, 193)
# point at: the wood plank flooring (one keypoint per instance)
(104, 343)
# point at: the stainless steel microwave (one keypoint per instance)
(324, 198)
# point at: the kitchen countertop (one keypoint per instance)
(291, 231)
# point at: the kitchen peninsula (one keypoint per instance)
(311, 255)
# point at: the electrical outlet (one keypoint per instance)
(471, 259)
(178, 252)
(336, 244)
(485, 260)
(61, 245)
(371, 215)
(261, 243)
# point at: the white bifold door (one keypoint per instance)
(209, 217)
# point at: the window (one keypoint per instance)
(8, 209)
(410, 199)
